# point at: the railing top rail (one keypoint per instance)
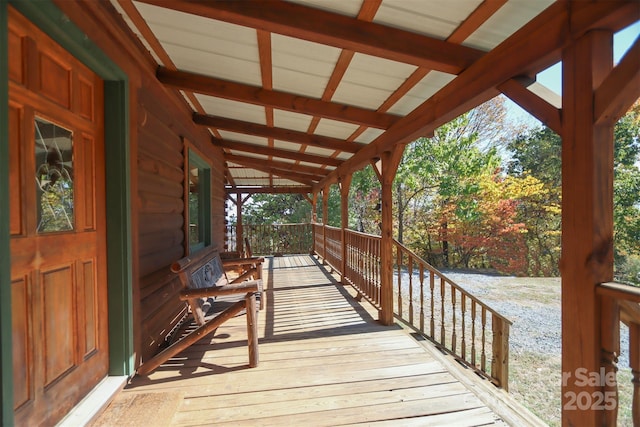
(275, 225)
(619, 291)
(359, 233)
(451, 282)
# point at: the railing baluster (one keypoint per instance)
(634, 362)
(463, 340)
(399, 272)
(454, 339)
(421, 297)
(483, 354)
(410, 268)
(473, 333)
(432, 325)
(442, 311)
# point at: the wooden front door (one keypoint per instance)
(58, 239)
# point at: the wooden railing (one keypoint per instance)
(620, 303)
(451, 317)
(273, 239)
(318, 239)
(363, 265)
(333, 247)
(455, 320)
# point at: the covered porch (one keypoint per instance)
(324, 360)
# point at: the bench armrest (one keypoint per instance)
(214, 291)
(234, 262)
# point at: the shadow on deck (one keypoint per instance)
(324, 361)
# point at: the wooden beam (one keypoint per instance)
(620, 89)
(587, 218)
(269, 98)
(283, 166)
(268, 151)
(268, 190)
(390, 163)
(336, 30)
(269, 167)
(529, 50)
(294, 176)
(281, 134)
(537, 106)
(345, 185)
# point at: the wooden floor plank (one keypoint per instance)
(324, 360)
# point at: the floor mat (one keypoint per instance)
(139, 409)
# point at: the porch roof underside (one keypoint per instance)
(299, 93)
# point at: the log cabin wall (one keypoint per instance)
(160, 121)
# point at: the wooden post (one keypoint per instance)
(314, 221)
(325, 218)
(587, 219)
(252, 329)
(610, 349)
(345, 184)
(390, 162)
(500, 350)
(634, 362)
(239, 229)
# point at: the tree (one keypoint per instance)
(364, 201)
(277, 209)
(538, 154)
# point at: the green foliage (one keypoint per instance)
(456, 206)
(364, 201)
(277, 209)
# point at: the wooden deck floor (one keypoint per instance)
(324, 361)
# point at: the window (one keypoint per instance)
(54, 177)
(199, 203)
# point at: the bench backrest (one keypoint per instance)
(202, 270)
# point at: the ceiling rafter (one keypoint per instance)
(483, 12)
(284, 166)
(367, 12)
(269, 98)
(268, 190)
(281, 134)
(336, 30)
(156, 46)
(269, 151)
(552, 30)
(292, 176)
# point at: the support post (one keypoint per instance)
(314, 221)
(390, 162)
(345, 184)
(325, 218)
(239, 229)
(587, 218)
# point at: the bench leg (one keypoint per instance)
(252, 329)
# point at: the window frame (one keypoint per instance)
(194, 159)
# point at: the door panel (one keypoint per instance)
(15, 171)
(58, 317)
(58, 227)
(22, 390)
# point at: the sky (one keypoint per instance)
(552, 76)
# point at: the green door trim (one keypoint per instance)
(6, 346)
(118, 191)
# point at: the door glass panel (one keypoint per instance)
(54, 177)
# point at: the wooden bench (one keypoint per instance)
(203, 276)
